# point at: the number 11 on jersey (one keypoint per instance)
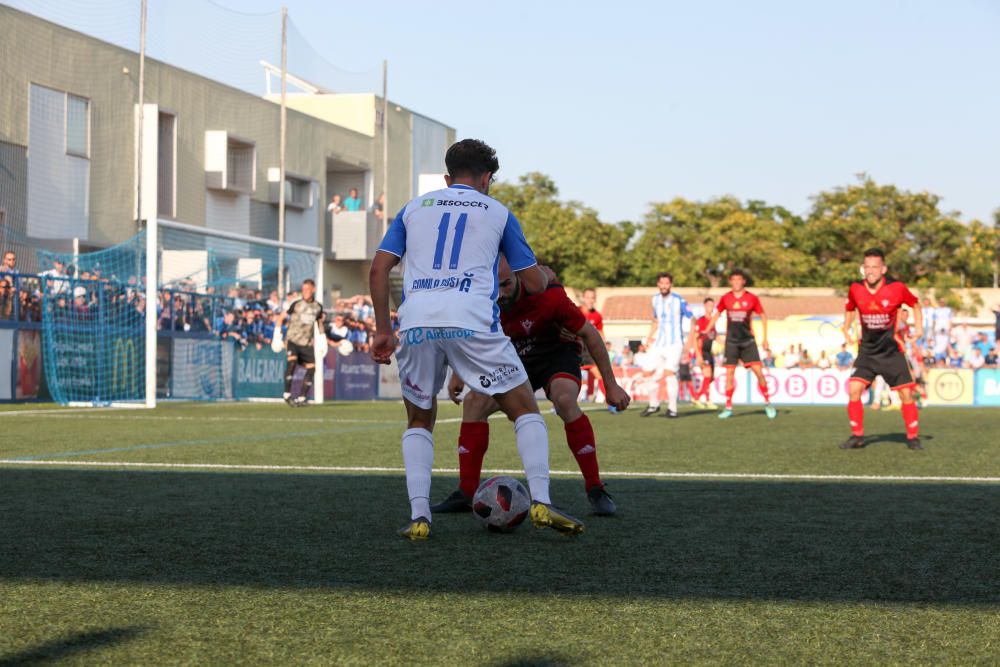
(456, 243)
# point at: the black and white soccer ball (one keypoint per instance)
(501, 503)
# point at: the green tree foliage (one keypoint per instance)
(699, 242)
(923, 245)
(567, 236)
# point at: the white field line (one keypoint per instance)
(505, 471)
(289, 420)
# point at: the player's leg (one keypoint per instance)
(307, 358)
(727, 412)
(657, 362)
(758, 370)
(672, 364)
(861, 379)
(491, 361)
(898, 375)
(421, 371)
(562, 390)
(473, 441)
(708, 376)
(292, 360)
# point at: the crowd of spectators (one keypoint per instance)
(245, 316)
(353, 202)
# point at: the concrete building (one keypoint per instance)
(210, 152)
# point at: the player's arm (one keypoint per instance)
(455, 388)
(520, 257)
(654, 326)
(591, 337)
(389, 252)
(918, 317)
(848, 329)
(763, 325)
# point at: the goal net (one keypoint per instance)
(217, 298)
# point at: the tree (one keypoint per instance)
(922, 245)
(699, 242)
(567, 236)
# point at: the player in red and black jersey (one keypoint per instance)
(588, 306)
(741, 345)
(876, 301)
(546, 330)
(703, 352)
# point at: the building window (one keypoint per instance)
(240, 165)
(77, 126)
(298, 192)
(166, 165)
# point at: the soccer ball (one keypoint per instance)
(501, 504)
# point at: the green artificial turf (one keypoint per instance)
(217, 566)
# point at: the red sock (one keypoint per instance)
(911, 420)
(729, 396)
(580, 438)
(473, 441)
(590, 383)
(689, 388)
(706, 387)
(856, 413)
(763, 392)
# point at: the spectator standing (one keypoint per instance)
(58, 281)
(823, 363)
(996, 325)
(990, 359)
(335, 206)
(9, 262)
(378, 209)
(844, 358)
(976, 359)
(353, 202)
(942, 316)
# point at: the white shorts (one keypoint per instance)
(486, 362)
(666, 358)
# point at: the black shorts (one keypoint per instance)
(304, 354)
(706, 353)
(541, 370)
(892, 366)
(744, 350)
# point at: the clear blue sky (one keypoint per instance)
(631, 102)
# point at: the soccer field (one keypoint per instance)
(216, 534)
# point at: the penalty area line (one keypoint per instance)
(505, 471)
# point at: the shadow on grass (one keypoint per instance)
(673, 539)
(60, 649)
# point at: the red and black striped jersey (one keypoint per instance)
(878, 312)
(538, 324)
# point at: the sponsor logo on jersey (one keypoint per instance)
(499, 376)
(457, 202)
(418, 335)
(427, 202)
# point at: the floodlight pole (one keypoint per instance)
(281, 156)
(385, 147)
(151, 229)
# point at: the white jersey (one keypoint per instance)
(669, 312)
(450, 241)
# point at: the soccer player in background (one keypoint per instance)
(451, 240)
(876, 301)
(588, 308)
(665, 343)
(739, 305)
(703, 352)
(541, 327)
(301, 315)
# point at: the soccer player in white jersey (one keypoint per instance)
(665, 343)
(450, 242)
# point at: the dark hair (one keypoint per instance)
(708, 299)
(738, 272)
(590, 289)
(471, 158)
(664, 274)
(875, 252)
(309, 281)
